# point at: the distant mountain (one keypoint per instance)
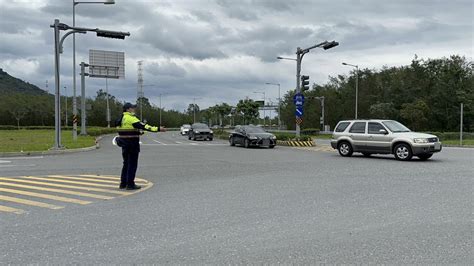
(9, 84)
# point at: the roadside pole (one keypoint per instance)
(460, 128)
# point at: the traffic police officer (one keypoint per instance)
(130, 129)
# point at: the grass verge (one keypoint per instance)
(39, 140)
(466, 142)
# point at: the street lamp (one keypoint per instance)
(74, 98)
(279, 102)
(264, 118)
(299, 57)
(357, 85)
(58, 49)
(285, 58)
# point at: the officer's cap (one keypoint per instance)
(127, 106)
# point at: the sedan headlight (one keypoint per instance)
(212, 132)
(274, 137)
(420, 140)
(196, 131)
(253, 137)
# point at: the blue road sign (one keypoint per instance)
(298, 99)
(299, 111)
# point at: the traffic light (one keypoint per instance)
(112, 34)
(304, 83)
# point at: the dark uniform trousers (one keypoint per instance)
(130, 151)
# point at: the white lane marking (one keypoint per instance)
(159, 142)
(1, 161)
(14, 165)
(178, 142)
(22, 158)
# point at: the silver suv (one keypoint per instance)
(383, 137)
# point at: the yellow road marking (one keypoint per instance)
(85, 179)
(30, 202)
(112, 177)
(70, 192)
(63, 186)
(45, 196)
(66, 181)
(10, 209)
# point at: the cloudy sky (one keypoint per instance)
(224, 50)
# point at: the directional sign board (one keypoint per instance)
(298, 99)
(299, 111)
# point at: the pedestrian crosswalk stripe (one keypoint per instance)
(10, 209)
(27, 191)
(138, 180)
(44, 196)
(89, 179)
(64, 186)
(84, 179)
(67, 181)
(63, 191)
(30, 202)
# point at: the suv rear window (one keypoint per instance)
(358, 127)
(342, 126)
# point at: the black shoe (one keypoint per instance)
(133, 187)
(122, 186)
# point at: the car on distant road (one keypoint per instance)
(185, 129)
(251, 136)
(200, 131)
(383, 137)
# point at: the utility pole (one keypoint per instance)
(140, 93)
(321, 120)
(194, 109)
(65, 100)
(160, 107)
(83, 98)
(460, 128)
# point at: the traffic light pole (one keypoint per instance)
(299, 57)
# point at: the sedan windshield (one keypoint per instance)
(199, 125)
(396, 127)
(254, 130)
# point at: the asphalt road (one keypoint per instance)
(216, 204)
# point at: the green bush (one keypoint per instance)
(291, 136)
(310, 131)
(97, 131)
(452, 135)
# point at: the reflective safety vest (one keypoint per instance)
(131, 125)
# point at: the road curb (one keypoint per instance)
(296, 143)
(52, 152)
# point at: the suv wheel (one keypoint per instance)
(232, 141)
(403, 152)
(345, 149)
(425, 157)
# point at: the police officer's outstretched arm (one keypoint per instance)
(144, 126)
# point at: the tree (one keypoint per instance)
(382, 111)
(415, 114)
(249, 109)
(19, 113)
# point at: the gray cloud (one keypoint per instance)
(224, 50)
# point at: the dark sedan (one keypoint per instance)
(252, 136)
(200, 131)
